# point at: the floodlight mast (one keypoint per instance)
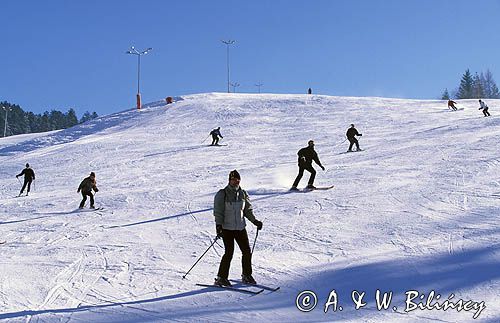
(228, 42)
(134, 51)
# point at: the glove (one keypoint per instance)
(96, 190)
(360, 134)
(78, 191)
(258, 224)
(218, 229)
(322, 167)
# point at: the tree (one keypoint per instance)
(477, 86)
(445, 95)
(87, 116)
(465, 90)
(489, 86)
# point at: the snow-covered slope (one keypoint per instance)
(416, 210)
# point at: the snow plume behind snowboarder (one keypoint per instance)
(86, 186)
(215, 136)
(29, 176)
(231, 207)
(305, 159)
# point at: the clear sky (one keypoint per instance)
(58, 54)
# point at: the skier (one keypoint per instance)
(309, 91)
(484, 107)
(451, 104)
(351, 133)
(29, 176)
(86, 186)
(306, 156)
(231, 207)
(215, 136)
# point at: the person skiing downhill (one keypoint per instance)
(215, 136)
(29, 176)
(86, 186)
(231, 207)
(351, 133)
(451, 104)
(305, 159)
(484, 107)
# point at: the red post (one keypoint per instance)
(138, 101)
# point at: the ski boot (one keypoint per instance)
(248, 279)
(219, 281)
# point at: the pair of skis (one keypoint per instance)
(260, 287)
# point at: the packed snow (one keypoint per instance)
(416, 210)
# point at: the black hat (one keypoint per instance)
(27, 165)
(234, 174)
(92, 174)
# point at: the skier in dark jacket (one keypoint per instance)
(231, 207)
(484, 107)
(29, 176)
(215, 136)
(306, 157)
(451, 104)
(351, 133)
(86, 187)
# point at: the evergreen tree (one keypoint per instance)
(71, 118)
(465, 90)
(489, 86)
(477, 86)
(87, 116)
(445, 95)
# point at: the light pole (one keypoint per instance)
(5, 123)
(228, 42)
(259, 85)
(235, 85)
(134, 51)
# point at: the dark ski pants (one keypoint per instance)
(353, 141)
(485, 112)
(310, 169)
(241, 237)
(28, 183)
(215, 140)
(84, 196)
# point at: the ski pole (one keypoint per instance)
(19, 180)
(205, 138)
(255, 240)
(215, 240)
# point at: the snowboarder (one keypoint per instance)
(451, 104)
(306, 156)
(86, 186)
(215, 136)
(351, 133)
(29, 176)
(231, 207)
(484, 107)
(309, 91)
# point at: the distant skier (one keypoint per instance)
(309, 91)
(306, 157)
(451, 104)
(29, 176)
(215, 136)
(351, 136)
(231, 207)
(484, 107)
(86, 186)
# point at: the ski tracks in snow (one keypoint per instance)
(71, 286)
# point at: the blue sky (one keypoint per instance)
(59, 54)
